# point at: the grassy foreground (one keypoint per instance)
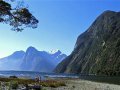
(14, 83)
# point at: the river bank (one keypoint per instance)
(16, 83)
(78, 84)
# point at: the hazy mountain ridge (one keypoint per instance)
(97, 50)
(31, 60)
(12, 62)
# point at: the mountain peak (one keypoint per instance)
(109, 11)
(55, 51)
(97, 49)
(31, 49)
(18, 54)
(32, 60)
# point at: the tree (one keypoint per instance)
(18, 18)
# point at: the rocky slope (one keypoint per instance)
(97, 50)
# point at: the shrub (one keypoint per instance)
(14, 85)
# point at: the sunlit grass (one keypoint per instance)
(17, 81)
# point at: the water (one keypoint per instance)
(102, 79)
(32, 75)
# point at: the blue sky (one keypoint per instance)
(61, 21)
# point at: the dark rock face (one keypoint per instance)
(97, 50)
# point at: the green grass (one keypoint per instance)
(17, 81)
(52, 83)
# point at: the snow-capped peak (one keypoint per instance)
(54, 51)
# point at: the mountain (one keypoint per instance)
(32, 60)
(58, 56)
(12, 62)
(97, 50)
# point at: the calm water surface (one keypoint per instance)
(32, 75)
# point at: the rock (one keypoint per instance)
(97, 50)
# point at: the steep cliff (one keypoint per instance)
(97, 50)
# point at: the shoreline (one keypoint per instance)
(79, 84)
(57, 84)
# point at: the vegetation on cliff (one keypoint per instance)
(97, 50)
